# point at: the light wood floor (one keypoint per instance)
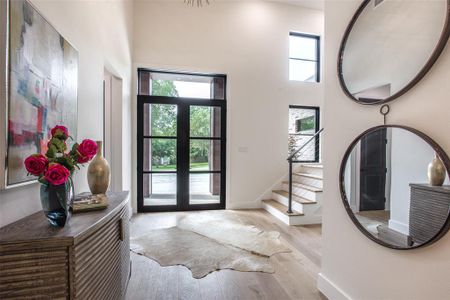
(295, 276)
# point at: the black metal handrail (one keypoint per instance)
(290, 161)
(305, 144)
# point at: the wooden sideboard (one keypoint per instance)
(429, 210)
(87, 259)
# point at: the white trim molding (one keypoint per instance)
(330, 289)
(399, 226)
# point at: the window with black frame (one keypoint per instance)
(181, 141)
(304, 57)
(303, 125)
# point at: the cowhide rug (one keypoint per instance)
(209, 241)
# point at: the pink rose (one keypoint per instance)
(60, 132)
(82, 159)
(57, 174)
(86, 150)
(36, 164)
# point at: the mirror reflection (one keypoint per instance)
(389, 44)
(387, 188)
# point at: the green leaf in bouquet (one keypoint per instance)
(42, 180)
(73, 152)
(51, 152)
(60, 145)
(66, 161)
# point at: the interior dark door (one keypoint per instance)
(181, 153)
(373, 171)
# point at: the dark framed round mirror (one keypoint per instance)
(389, 46)
(394, 184)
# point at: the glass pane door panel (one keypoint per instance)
(160, 189)
(204, 188)
(204, 121)
(162, 153)
(160, 120)
(204, 155)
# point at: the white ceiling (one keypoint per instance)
(314, 4)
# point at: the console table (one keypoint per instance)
(429, 210)
(89, 258)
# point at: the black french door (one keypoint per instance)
(181, 148)
(373, 171)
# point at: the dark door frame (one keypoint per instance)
(376, 172)
(317, 141)
(183, 140)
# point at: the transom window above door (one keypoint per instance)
(183, 85)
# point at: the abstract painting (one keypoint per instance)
(42, 87)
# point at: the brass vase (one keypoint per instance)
(99, 173)
(436, 172)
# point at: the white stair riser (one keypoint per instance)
(293, 220)
(308, 181)
(301, 192)
(311, 170)
(276, 213)
(285, 201)
(306, 209)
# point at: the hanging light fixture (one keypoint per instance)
(198, 2)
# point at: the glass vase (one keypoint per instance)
(57, 201)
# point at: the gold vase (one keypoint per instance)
(436, 172)
(98, 173)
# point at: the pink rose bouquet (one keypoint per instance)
(60, 131)
(56, 174)
(86, 150)
(57, 166)
(36, 164)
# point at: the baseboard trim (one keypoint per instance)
(245, 205)
(399, 226)
(330, 290)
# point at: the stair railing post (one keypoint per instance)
(290, 158)
(289, 211)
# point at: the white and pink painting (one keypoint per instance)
(42, 91)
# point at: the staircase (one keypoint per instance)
(306, 197)
(298, 200)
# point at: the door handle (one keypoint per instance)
(121, 229)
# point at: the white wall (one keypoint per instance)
(351, 263)
(102, 33)
(410, 156)
(248, 41)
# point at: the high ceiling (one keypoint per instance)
(314, 4)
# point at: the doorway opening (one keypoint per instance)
(112, 127)
(181, 128)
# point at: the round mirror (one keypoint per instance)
(390, 45)
(385, 186)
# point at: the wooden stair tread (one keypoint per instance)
(320, 166)
(308, 175)
(304, 186)
(295, 197)
(282, 208)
